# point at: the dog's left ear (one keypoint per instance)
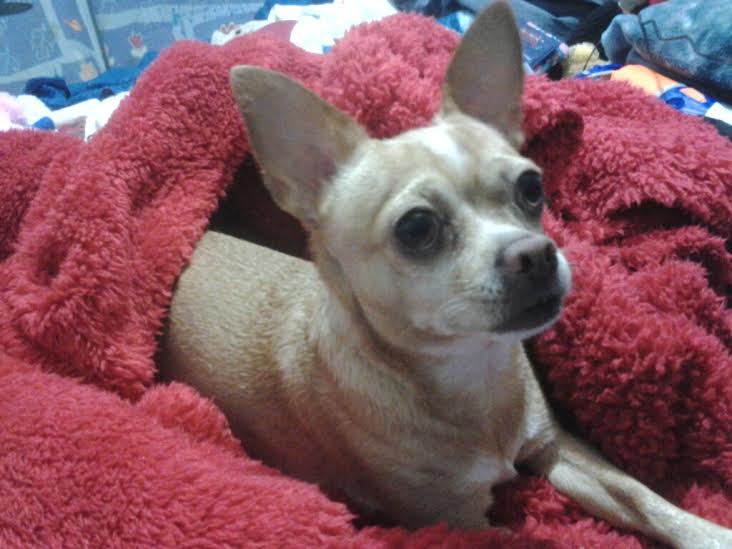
(298, 139)
(485, 78)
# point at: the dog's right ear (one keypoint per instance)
(298, 139)
(485, 78)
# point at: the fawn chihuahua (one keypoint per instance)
(390, 370)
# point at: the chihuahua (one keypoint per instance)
(390, 371)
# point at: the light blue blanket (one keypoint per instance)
(690, 40)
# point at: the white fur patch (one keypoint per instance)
(487, 471)
(473, 364)
(440, 143)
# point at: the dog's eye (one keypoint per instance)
(418, 231)
(529, 191)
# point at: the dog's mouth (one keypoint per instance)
(546, 307)
(539, 312)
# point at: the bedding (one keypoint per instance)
(93, 236)
(81, 39)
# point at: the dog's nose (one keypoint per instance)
(532, 256)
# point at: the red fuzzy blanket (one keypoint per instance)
(93, 236)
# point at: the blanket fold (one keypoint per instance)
(93, 236)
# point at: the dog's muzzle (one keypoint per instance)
(534, 291)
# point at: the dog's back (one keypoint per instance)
(233, 353)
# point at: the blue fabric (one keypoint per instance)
(459, 21)
(435, 8)
(558, 18)
(56, 94)
(44, 123)
(79, 39)
(48, 89)
(689, 40)
(127, 29)
(263, 12)
(59, 42)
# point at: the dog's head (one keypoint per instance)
(434, 235)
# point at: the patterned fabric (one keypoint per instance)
(683, 39)
(79, 39)
(54, 38)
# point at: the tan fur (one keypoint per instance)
(386, 379)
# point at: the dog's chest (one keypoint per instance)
(477, 444)
(479, 399)
(472, 430)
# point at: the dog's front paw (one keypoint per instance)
(711, 536)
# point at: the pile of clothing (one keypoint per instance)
(79, 109)
(672, 49)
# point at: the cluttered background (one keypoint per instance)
(67, 64)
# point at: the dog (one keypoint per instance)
(390, 371)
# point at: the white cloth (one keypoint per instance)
(317, 26)
(82, 119)
(33, 108)
(11, 112)
(228, 32)
(320, 25)
(720, 111)
(91, 115)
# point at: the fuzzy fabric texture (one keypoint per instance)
(93, 237)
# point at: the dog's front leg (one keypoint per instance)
(605, 491)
